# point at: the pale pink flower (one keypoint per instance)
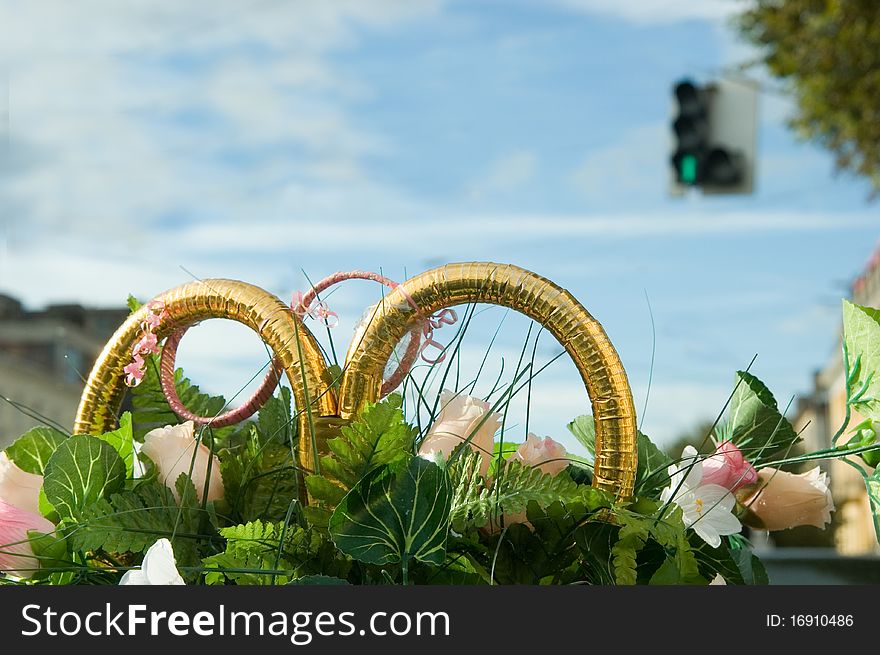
(18, 487)
(148, 345)
(782, 500)
(460, 418)
(16, 554)
(545, 454)
(728, 468)
(175, 450)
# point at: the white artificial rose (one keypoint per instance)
(174, 449)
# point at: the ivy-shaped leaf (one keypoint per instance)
(81, 471)
(757, 426)
(378, 437)
(389, 518)
(122, 441)
(584, 430)
(861, 335)
(32, 450)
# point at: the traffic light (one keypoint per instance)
(714, 130)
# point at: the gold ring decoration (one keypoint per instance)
(539, 299)
(320, 413)
(291, 342)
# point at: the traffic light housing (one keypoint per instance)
(714, 129)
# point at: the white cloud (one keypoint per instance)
(126, 114)
(657, 11)
(631, 167)
(505, 174)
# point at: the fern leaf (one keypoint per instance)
(132, 521)
(475, 504)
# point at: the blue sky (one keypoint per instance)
(255, 140)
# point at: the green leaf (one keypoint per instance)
(861, 337)
(265, 553)
(757, 426)
(388, 518)
(122, 441)
(584, 430)
(652, 465)
(631, 539)
(275, 422)
(502, 450)
(32, 450)
(50, 550)
(667, 574)
(872, 483)
(132, 521)
(81, 471)
(750, 567)
(260, 478)
(474, 504)
(378, 437)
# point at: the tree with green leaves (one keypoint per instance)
(828, 51)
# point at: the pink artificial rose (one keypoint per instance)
(783, 500)
(18, 487)
(175, 450)
(460, 417)
(16, 555)
(545, 454)
(728, 468)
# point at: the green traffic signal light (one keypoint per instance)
(687, 172)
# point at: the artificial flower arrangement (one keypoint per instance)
(299, 495)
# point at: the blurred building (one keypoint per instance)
(44, 356)
(824, 409)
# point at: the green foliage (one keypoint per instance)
(757, 426)
(861, 338)
(474, 504)
(81, 471)
(275, 421)
(829, 54)
(652, 466)
(872, 482)
(734, 562)
(32, 450)
(269, 553)
(121, 440)
(50, 550)
(584, 430)
(639, 529)
(543, 552)
(259, 476)
(378, 437)
(132, 521)
(252, 557)
(388, 518)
